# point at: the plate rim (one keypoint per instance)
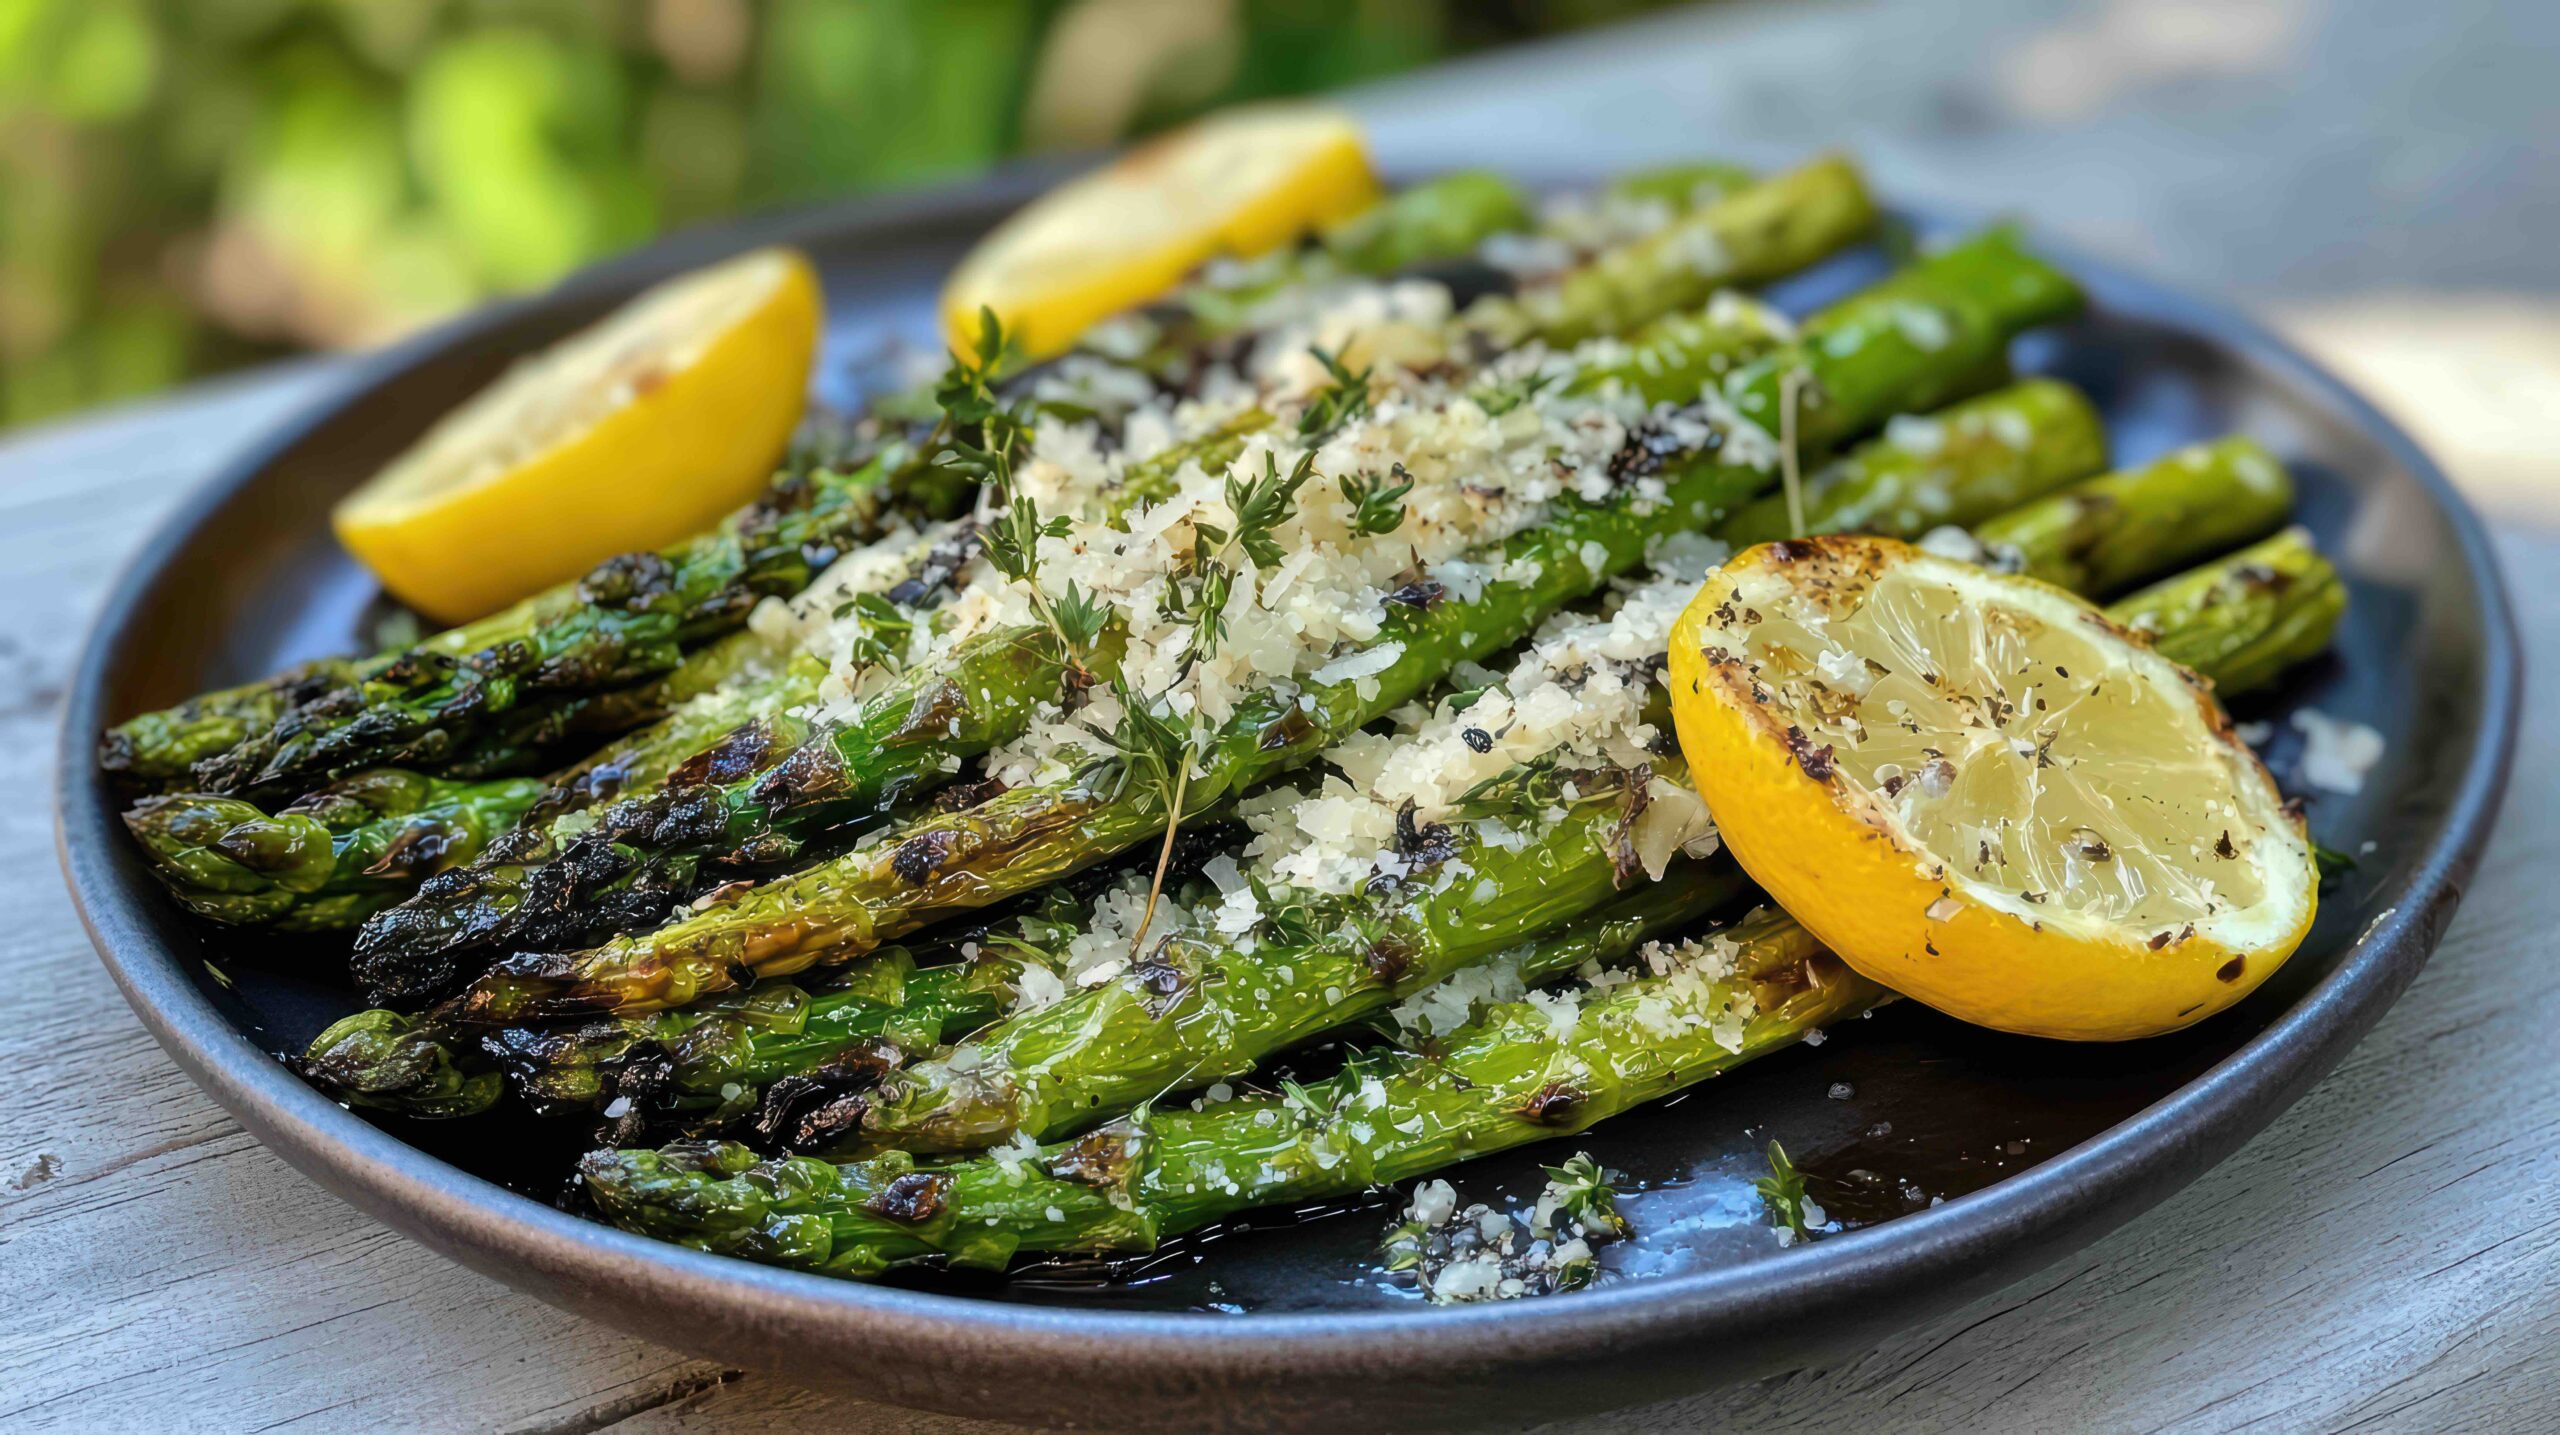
(2065, 1201)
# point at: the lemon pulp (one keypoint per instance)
(2020, 750)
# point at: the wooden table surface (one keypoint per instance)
(2385, 1256)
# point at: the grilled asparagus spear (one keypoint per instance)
(328, 859)
(629, 621)
(334, 857)
(1684, 262)
(2245, 621)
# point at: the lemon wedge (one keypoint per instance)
(1982, 793)
(1235, 184)
(633, 433)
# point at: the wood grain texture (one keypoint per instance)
(2387, 1255)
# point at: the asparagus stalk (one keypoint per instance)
(639, 614)
(1681, 265)
(336, 856)
(716, 1054)
(1902, 486)
(1514, 1075)
(630, 620)
(157, 750)
(1445, 219)
(1025, 838)
(1439, 220)
(711, 1061)
(2097, 541)
(329, 859)
(160, 749)
(530, 739)
(1680, 186)
(2243, 622)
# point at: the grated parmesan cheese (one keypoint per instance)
(2336, 755)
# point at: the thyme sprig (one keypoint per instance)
(966, 392)
(1581, 1192)
(1143, 749)
(1501, 398)
(1075, 617)
(978, 431)
(1782, 1190)
(1159, 750)
(1345, 398)
(1288, 918)
(1304, 1104)
(981, 435)
(1261, 504)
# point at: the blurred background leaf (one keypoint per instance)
(190, 185)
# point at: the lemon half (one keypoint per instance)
(1982, 793)
(1236, 184)
(633, 433)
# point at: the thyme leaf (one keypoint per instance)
(1782, 1190)
(882, 639)
(1339, 402)
(1377, 506)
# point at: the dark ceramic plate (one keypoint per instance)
(2034, 1148)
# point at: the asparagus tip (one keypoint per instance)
(386, 1061)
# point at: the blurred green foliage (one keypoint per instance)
(186, 185)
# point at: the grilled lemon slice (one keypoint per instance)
(1982, 793)
(1235, 184)
(633, 433)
